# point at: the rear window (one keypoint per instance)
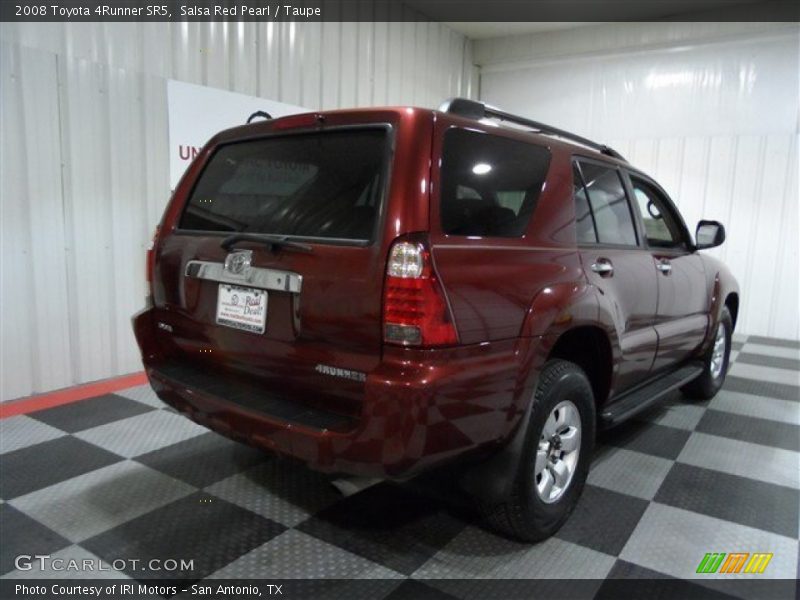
(319, 185)
(490, 184)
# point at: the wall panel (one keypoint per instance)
(33, 312)
(92, 97)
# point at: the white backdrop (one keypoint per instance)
(197, 112)
(714, 118)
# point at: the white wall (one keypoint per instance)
(710, 110)
(84, 174)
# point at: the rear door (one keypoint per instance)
(615, 261)
(682, 315)
(290, 313)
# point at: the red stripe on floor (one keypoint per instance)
(67, 395)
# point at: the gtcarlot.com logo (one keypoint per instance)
(44, 562)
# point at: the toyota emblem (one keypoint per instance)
(237, 263)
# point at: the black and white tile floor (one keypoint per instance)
(121, 476)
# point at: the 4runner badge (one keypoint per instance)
(344, 373)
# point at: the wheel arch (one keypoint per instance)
(732, 303)
(576, 324)
(589, 347)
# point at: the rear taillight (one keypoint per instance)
(415, 311)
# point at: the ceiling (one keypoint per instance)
(482, 30)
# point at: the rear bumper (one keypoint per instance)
(420, 409)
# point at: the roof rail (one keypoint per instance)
(473, 109)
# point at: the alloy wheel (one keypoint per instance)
(718, 353)
(557, 453)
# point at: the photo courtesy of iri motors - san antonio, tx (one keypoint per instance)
(136, 590)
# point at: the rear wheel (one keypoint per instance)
(555, 458)
(715, 362)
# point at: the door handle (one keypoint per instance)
(603, 267)
(664, 266)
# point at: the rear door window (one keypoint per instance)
(490, 184)
(325, 185)
(609, 205)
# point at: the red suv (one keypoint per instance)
(379, 292)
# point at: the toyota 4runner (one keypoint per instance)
(378, 292)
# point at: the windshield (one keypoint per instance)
(315, 185)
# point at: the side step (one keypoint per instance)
(643, 397)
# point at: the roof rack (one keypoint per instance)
(473, 109)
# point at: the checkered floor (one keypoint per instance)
(121, 476)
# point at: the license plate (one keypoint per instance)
(242, 308)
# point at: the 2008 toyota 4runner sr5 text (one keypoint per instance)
(379, 292)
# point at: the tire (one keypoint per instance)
(711, 379)
(526, 515)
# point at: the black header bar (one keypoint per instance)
(399, 10)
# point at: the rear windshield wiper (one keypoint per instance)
(276, 242)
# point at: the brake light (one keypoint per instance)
(301, 120)
(415, 310)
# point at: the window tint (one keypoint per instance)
(659, 226)
(490, 184)
(584, 223)
(326, 185)
(609, 205)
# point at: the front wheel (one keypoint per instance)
(716, 362)
(555, 457)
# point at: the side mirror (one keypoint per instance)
(709, 234)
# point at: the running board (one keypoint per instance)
(642, 398)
